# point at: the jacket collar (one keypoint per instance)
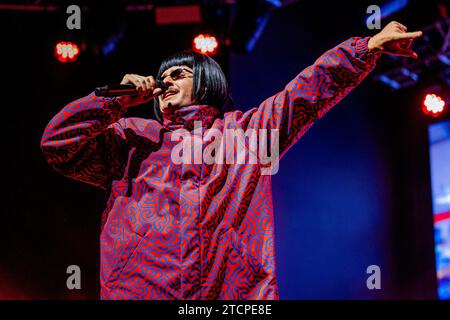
(185, 116)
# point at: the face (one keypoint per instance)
(179, 81)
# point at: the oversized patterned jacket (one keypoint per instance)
(191, 231)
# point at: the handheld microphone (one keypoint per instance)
(117, 90)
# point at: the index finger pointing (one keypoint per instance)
(409, 35)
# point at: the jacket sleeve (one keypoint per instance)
(79, 141)
(314, 91)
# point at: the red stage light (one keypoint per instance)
(433, 105)
(206, 44)
(66, 51)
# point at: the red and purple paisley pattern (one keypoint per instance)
(191, 231)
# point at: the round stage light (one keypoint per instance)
(206, 44)
(433, 105)
(66, 51)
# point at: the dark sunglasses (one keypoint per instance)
(176, 74)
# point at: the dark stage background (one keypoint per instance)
(354, 192)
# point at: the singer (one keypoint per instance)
(196, 231)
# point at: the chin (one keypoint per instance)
(168, 106)
(174, 104)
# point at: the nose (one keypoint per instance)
(168, 81)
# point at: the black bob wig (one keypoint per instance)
(209, 83)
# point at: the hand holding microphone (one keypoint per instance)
(134, 90)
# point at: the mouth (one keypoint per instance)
(169, 94)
